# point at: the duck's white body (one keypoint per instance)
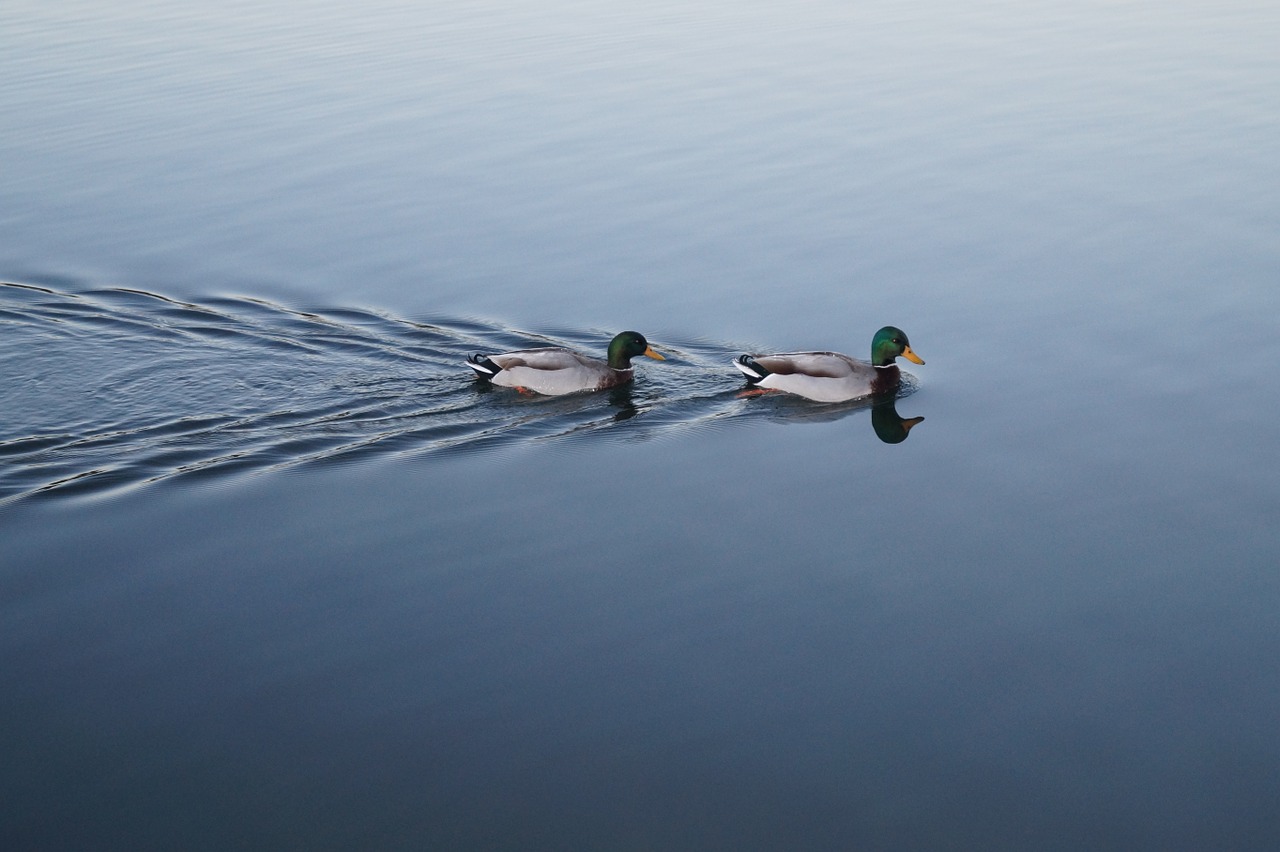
(551, 370)
(819, 376)
(555, 370)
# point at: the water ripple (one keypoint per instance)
(108, 389)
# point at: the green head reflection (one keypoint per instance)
(889, 425)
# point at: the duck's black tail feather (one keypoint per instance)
(750, 368)
(483, 365)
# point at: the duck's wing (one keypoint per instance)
(547, 358)
(818, 365)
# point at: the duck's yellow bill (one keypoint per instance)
(909, 422)
(911, 356)
(649, 351)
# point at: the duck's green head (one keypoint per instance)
(628, 345)
(888, 344)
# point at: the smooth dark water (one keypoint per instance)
(276, 573)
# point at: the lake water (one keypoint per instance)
(276, 573)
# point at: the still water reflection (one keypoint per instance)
(276, 573)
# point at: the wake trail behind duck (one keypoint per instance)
(114, 388)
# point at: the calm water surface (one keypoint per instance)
(276, 573)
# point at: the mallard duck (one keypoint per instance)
(555, 370)
(830, 376)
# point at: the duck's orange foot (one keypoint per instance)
(753, 392)
(524, 390)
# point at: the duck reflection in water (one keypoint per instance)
(889, 426)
